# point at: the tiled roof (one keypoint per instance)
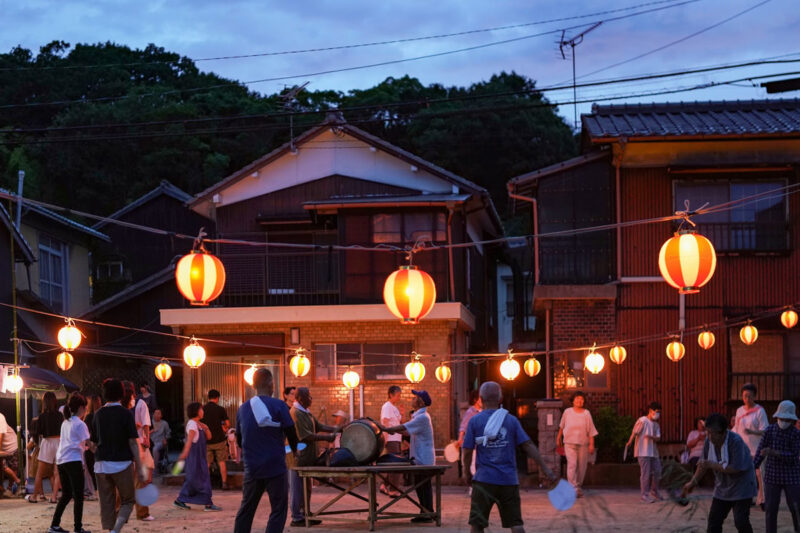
(776, 117)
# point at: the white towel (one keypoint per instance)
(492, 427)
(712, 453)
(299, 407)
(261, 413)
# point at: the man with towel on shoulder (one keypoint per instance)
(495, 434)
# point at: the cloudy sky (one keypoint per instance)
(727, 31)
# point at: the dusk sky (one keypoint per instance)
(205, 29)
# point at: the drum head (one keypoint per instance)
(451, 453)
(360, 439)
(147, 495)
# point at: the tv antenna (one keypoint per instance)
(573, 42)
(289, 100)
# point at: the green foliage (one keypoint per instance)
(613, 432)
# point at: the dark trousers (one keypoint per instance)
(425, 493)
(719, 511)
(772, 501)
(71, 475)
(277, 489)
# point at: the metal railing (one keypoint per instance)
(747, 236)
(772, 386)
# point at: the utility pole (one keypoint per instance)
(573, 42)
(289, 99)
(14, 332)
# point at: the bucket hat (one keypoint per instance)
(786, 410)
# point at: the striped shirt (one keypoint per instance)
(784, 468)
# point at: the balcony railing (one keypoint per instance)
(772, 386)
(576, 265)
(747, 236)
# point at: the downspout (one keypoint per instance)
(619, 152)
(535, 215)
(452, 281)
(548, 374)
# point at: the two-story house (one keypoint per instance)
(337, 185)
(645, 161)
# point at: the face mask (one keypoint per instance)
(656, 416)
(784, 424)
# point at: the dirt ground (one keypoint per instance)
(602, 510)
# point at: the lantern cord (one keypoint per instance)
(198, 241)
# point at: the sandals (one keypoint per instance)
(31, 499)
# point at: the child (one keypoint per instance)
(69, 461)
(646, 431)
(197, 484)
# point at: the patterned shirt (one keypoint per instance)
(784, 468)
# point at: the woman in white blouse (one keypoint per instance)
(576, 433)
(750, 423)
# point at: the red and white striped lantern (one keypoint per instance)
(687, 261)
(200, 277)
(675, 351)
(789, 318)
(748, 334)
(409, 293)
(617, 354)
(706, 340)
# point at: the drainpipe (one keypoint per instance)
(535, 215)
(548, 374)
(618, 155)
(19, 197)
(450, 212)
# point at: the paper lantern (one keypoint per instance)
(163, 371)
(299, 365)
(594, 362)
(69, 337)
(572, 382)
(789, 318)
(194, 355)
(618, 354)
(706, 340)
(200, 277)
(64, 360)
(748, 334)
(415, 371)
(248, 375)
(14, 383)
(443, 373)
(351, 379)
(675, 351)
(687, 261)
(509, 368)
(532, 366)
(409, 293)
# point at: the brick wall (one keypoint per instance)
(427, 338)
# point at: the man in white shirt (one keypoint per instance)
(391, 415)
(647, 431)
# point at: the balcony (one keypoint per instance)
(762, 237)
(772, 387)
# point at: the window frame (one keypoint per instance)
(337, 372)
(50, 247)
(582, 373)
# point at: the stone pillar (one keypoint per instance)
(549, 417)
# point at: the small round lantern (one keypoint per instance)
(617, 354)
(789, 318)
(200, 277)
(64, 360)
(14, 383)
(748, 334)
(194, 355)
(443, 373)
(163, 371)
(248, 375)
(299, 365)
(532, 366)
(594, 362)
(409, 293)
(351, 379)
(706, 339)
(415, 371)
(687, 261)
(675, 351)
(509, 368)
(69, 337)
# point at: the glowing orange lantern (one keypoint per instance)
(163, 371)
(351, 379)
(64, 360)
(617, 354)
(299, 365)
(532, 366)
(409, 293)
(687, 261)
(443, 373)
(14, 383)
(706, 340)
(200, 277)
(594, 362)
(69, 337)
(509, 368)
(789, 318)
(748, 334)
(194, 355)
(675, 351)
(248, 375)
(415, 371)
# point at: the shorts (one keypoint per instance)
(48, 449)
(217, 452)
(485, 495)
(10, 461)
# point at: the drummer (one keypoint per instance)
(420, 428)
(309, 431)
(392, 415)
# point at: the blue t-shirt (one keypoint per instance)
(263, 449)
(496, 463)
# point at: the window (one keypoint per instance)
(758, 225)
(373, 361)
(109, 271)
(586, 379)
(52, 272)
(409, 227)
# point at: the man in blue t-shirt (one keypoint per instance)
(260, 432)
(495, 435)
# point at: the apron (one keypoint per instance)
(197, 484)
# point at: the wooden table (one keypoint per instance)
(358, 475)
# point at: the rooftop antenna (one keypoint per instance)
(573, 42)
(289, 100)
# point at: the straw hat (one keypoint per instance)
(786, 410)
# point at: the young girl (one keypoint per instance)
(69, 460)
(197, 484)
(47, 433)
